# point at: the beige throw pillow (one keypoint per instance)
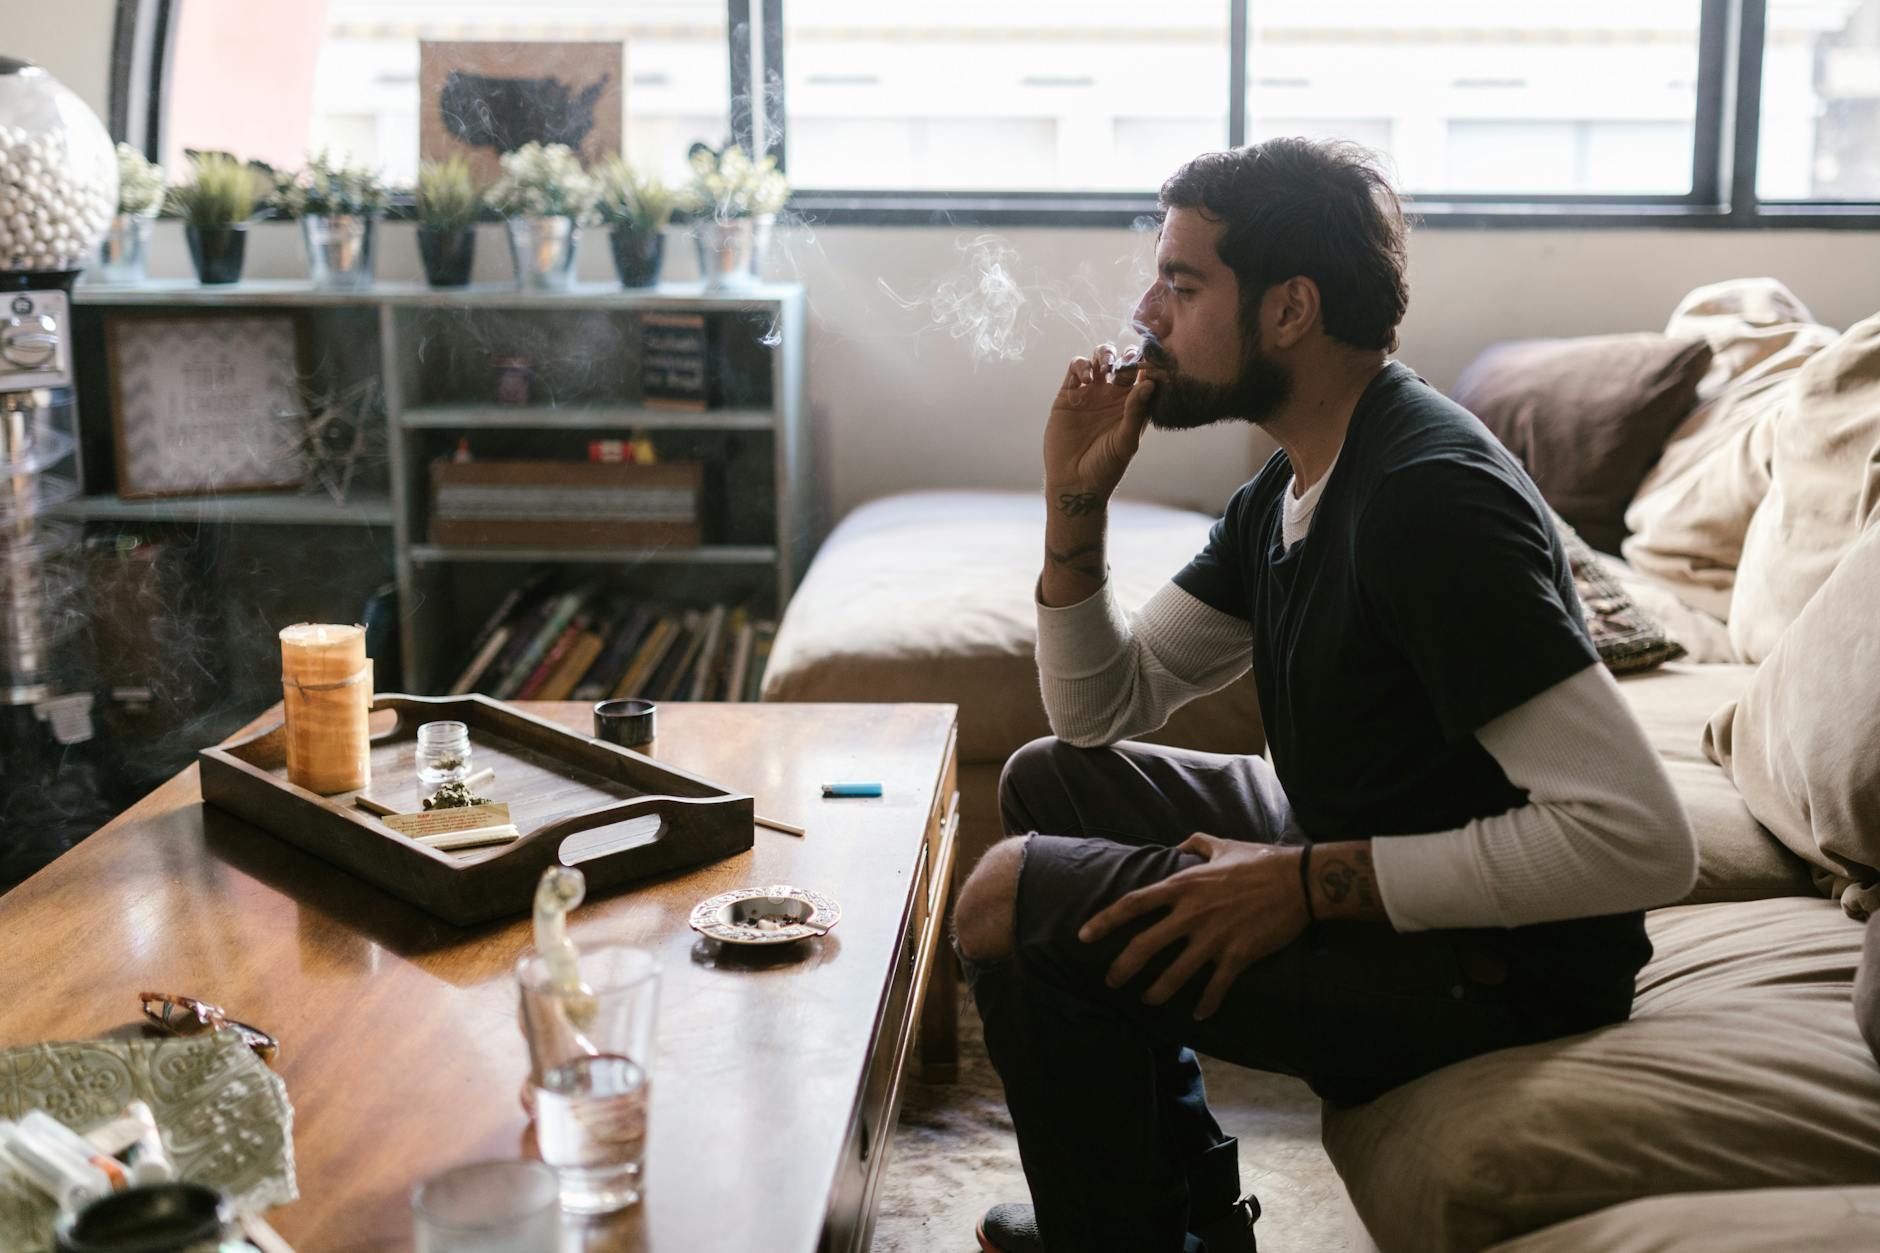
(1693, 508)
(1802, 744)
(1824, 486)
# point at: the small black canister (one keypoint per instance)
(154, 1218)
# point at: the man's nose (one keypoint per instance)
(1149, 312)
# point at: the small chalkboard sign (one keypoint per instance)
(674, 350)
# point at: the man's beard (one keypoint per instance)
(1182, 403)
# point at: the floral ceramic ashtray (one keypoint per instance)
(779, 914)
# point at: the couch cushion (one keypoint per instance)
(928, 596)
(1803, 743)
(1795, 1220)
(1691, 512)
(1824, 484)
(1586, 417)
(1674, 702)
(1741, 1068)
(1737, 858)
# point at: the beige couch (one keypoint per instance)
(1739, 1108)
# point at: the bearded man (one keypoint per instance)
(1458, 823)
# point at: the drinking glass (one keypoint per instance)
(488, 1207)
(591, 1056)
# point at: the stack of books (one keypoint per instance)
(584, 644)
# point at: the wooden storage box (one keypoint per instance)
(566, 504)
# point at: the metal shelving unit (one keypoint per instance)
(360, 509)
(444, 590)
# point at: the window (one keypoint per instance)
(343, 74)
(1470, 97)
(1046, 111)
(1032, 95)
(1820, 133)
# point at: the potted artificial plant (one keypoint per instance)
(338, 206)
(446, 201)
(543, 195)
(124, 254)
(637, 208)
(216, 204)
(733, 203)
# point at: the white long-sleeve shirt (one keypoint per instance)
(1603, 830)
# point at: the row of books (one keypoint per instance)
(585, 644)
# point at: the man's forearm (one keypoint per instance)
(1342, 882)
(1075, 546)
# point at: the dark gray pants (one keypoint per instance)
(1106, 1094)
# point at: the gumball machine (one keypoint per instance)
(58, 189)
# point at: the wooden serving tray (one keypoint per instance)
(617, 814)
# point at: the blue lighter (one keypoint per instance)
(851, 789)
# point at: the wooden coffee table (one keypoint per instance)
(777, 1082)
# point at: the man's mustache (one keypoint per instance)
(1153, 353)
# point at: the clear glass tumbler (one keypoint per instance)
(488, 1207)
(591, 1057)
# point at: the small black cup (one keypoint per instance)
(152, 1218)
(628, 723)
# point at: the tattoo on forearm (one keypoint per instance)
(1084, 559)
(1078, 504)
(1344, 878)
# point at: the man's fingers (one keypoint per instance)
(1201, 844)
(1120, 911)
(1193, 957)
(1151, 941)
(1104, 358)
(1079, 372)
(1227, 968)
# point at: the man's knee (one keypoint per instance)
(1024, 771)
(985, 917)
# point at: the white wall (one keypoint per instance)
(900, 403)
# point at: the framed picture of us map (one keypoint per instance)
(481, 100)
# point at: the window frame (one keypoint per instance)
(1726, 128)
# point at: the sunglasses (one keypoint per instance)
(187, 1016)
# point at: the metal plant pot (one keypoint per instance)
(339, 249)
(124, 253)
(731, 252)
(543, 249)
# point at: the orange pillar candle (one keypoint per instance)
(326, 686)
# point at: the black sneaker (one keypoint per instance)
(1014, 1229)
(1010, 1229)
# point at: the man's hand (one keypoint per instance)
(1243, 903)
(1094, 430)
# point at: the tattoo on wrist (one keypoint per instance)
(1084, 559)
(1335, 881)
(1078, 504)
(1342, 879)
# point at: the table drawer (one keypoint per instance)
(852, 1199)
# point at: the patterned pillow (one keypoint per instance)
(1627, 640)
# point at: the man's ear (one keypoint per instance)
(1292, 310)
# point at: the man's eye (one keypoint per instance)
(1183, 291)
